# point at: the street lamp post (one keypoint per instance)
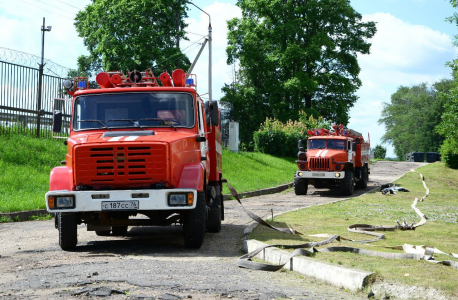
(40, 76)
(209, 52)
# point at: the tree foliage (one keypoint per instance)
(412, 116)
(295, 55)
(379, 152)
(281, 139)
(448, 128)
(133, 34)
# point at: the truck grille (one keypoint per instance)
(121, 164)
(319, 164)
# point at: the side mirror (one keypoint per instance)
(299, 145)
(57, 121)
(212, 113)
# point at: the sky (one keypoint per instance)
(412, 44)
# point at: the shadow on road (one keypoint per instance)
(162, 241)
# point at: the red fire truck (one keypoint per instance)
(338, 157)
(139, 153)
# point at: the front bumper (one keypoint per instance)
(320, 175)
(91, 201)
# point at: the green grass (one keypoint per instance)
(441, 230)
(25, 164)
(250, 171)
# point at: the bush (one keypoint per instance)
(449, 153)
(280, 139)
(379, 152)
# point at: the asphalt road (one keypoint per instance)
(152, 263)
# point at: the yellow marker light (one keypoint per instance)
(51, 202)
(190, 198)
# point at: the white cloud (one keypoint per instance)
(401, 54)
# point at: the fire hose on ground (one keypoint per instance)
(309, 249)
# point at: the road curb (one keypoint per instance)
(24, 215)
(266, 191)
(347, 278)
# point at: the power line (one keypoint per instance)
(46, 10)
(70, 12)
(70, 5)
(195, 33)
(181, 52)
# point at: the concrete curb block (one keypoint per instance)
(267, 191)
(24, 215)
(348, 278)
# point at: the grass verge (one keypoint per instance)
(250, 171)
(25, 164)
(441, 230)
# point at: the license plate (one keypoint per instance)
(120, 205)
(318, 174)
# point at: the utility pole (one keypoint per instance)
(40, 76)
(209, 52)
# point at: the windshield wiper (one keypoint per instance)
(166, 121)
(127, 120)
(97, 121)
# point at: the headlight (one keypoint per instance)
(181, 199)
(337, 175)
(65, 202)
(59, 202)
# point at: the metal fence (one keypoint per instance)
(19, 111)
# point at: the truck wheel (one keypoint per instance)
(194, 225)
(347, 184)
(102, 232)
(120, 230)
(362, 184)
(67, 225)
(300, 185)
(214, 214)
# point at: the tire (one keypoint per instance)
(68, 236)
(119, 230)
(362, 183)
(214, 214)
(300, 186)
(102, 232)
(194, 224)
(347, 185)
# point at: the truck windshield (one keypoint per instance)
(336, 144)
(317, 144)
(139, 110)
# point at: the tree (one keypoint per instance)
(449, 119)
(133, 34)
(412, 116)
(379, 152)
(295, 55)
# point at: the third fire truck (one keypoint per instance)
(338, 157)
